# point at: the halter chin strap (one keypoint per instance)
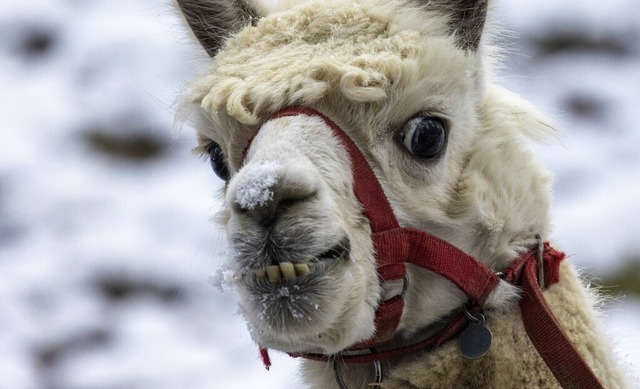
(395, 246)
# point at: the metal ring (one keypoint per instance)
(540, 258)
(338, 373)
(377, 366)
(476, 320)
(405, 285)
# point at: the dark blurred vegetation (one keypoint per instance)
(120, 288)
(128, 140)
(134, 147)
(562, 41)
(623, 282)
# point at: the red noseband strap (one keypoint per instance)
(366, 185)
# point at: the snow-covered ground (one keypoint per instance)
(105, 250)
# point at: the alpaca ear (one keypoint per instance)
(467, 19)
(212, 21)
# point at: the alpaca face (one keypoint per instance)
(301, 245)
(408, 91)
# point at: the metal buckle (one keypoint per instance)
(338, 373)
(391, 289)
(377, 367)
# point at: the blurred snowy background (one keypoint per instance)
(105, 242)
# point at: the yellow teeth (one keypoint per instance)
(302, 269)
(261, 274)
(285, 270)
(273, 273)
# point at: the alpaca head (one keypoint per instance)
(405, 80)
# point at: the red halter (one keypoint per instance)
(395, 246)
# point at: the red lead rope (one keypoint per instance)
(545, 332)
(395, 246)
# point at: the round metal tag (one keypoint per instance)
(475, 340)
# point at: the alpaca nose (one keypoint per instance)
(262, 189)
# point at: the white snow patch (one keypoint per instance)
(255, 189)
(223, 279)
(284, 292)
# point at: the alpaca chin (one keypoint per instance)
(306, 307)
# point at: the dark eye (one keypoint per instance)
(423, 136)
(218, 164)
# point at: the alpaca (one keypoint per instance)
(303, 100)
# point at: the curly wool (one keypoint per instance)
(312, 53)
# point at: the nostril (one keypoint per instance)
(282, 201)
(286, 199)
(277, 202)
(262, 190)
(288, 202)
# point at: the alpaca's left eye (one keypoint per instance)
(423, 136)
(218, 163)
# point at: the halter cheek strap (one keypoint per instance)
(395, 246)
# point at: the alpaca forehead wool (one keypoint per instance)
(300, 56)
